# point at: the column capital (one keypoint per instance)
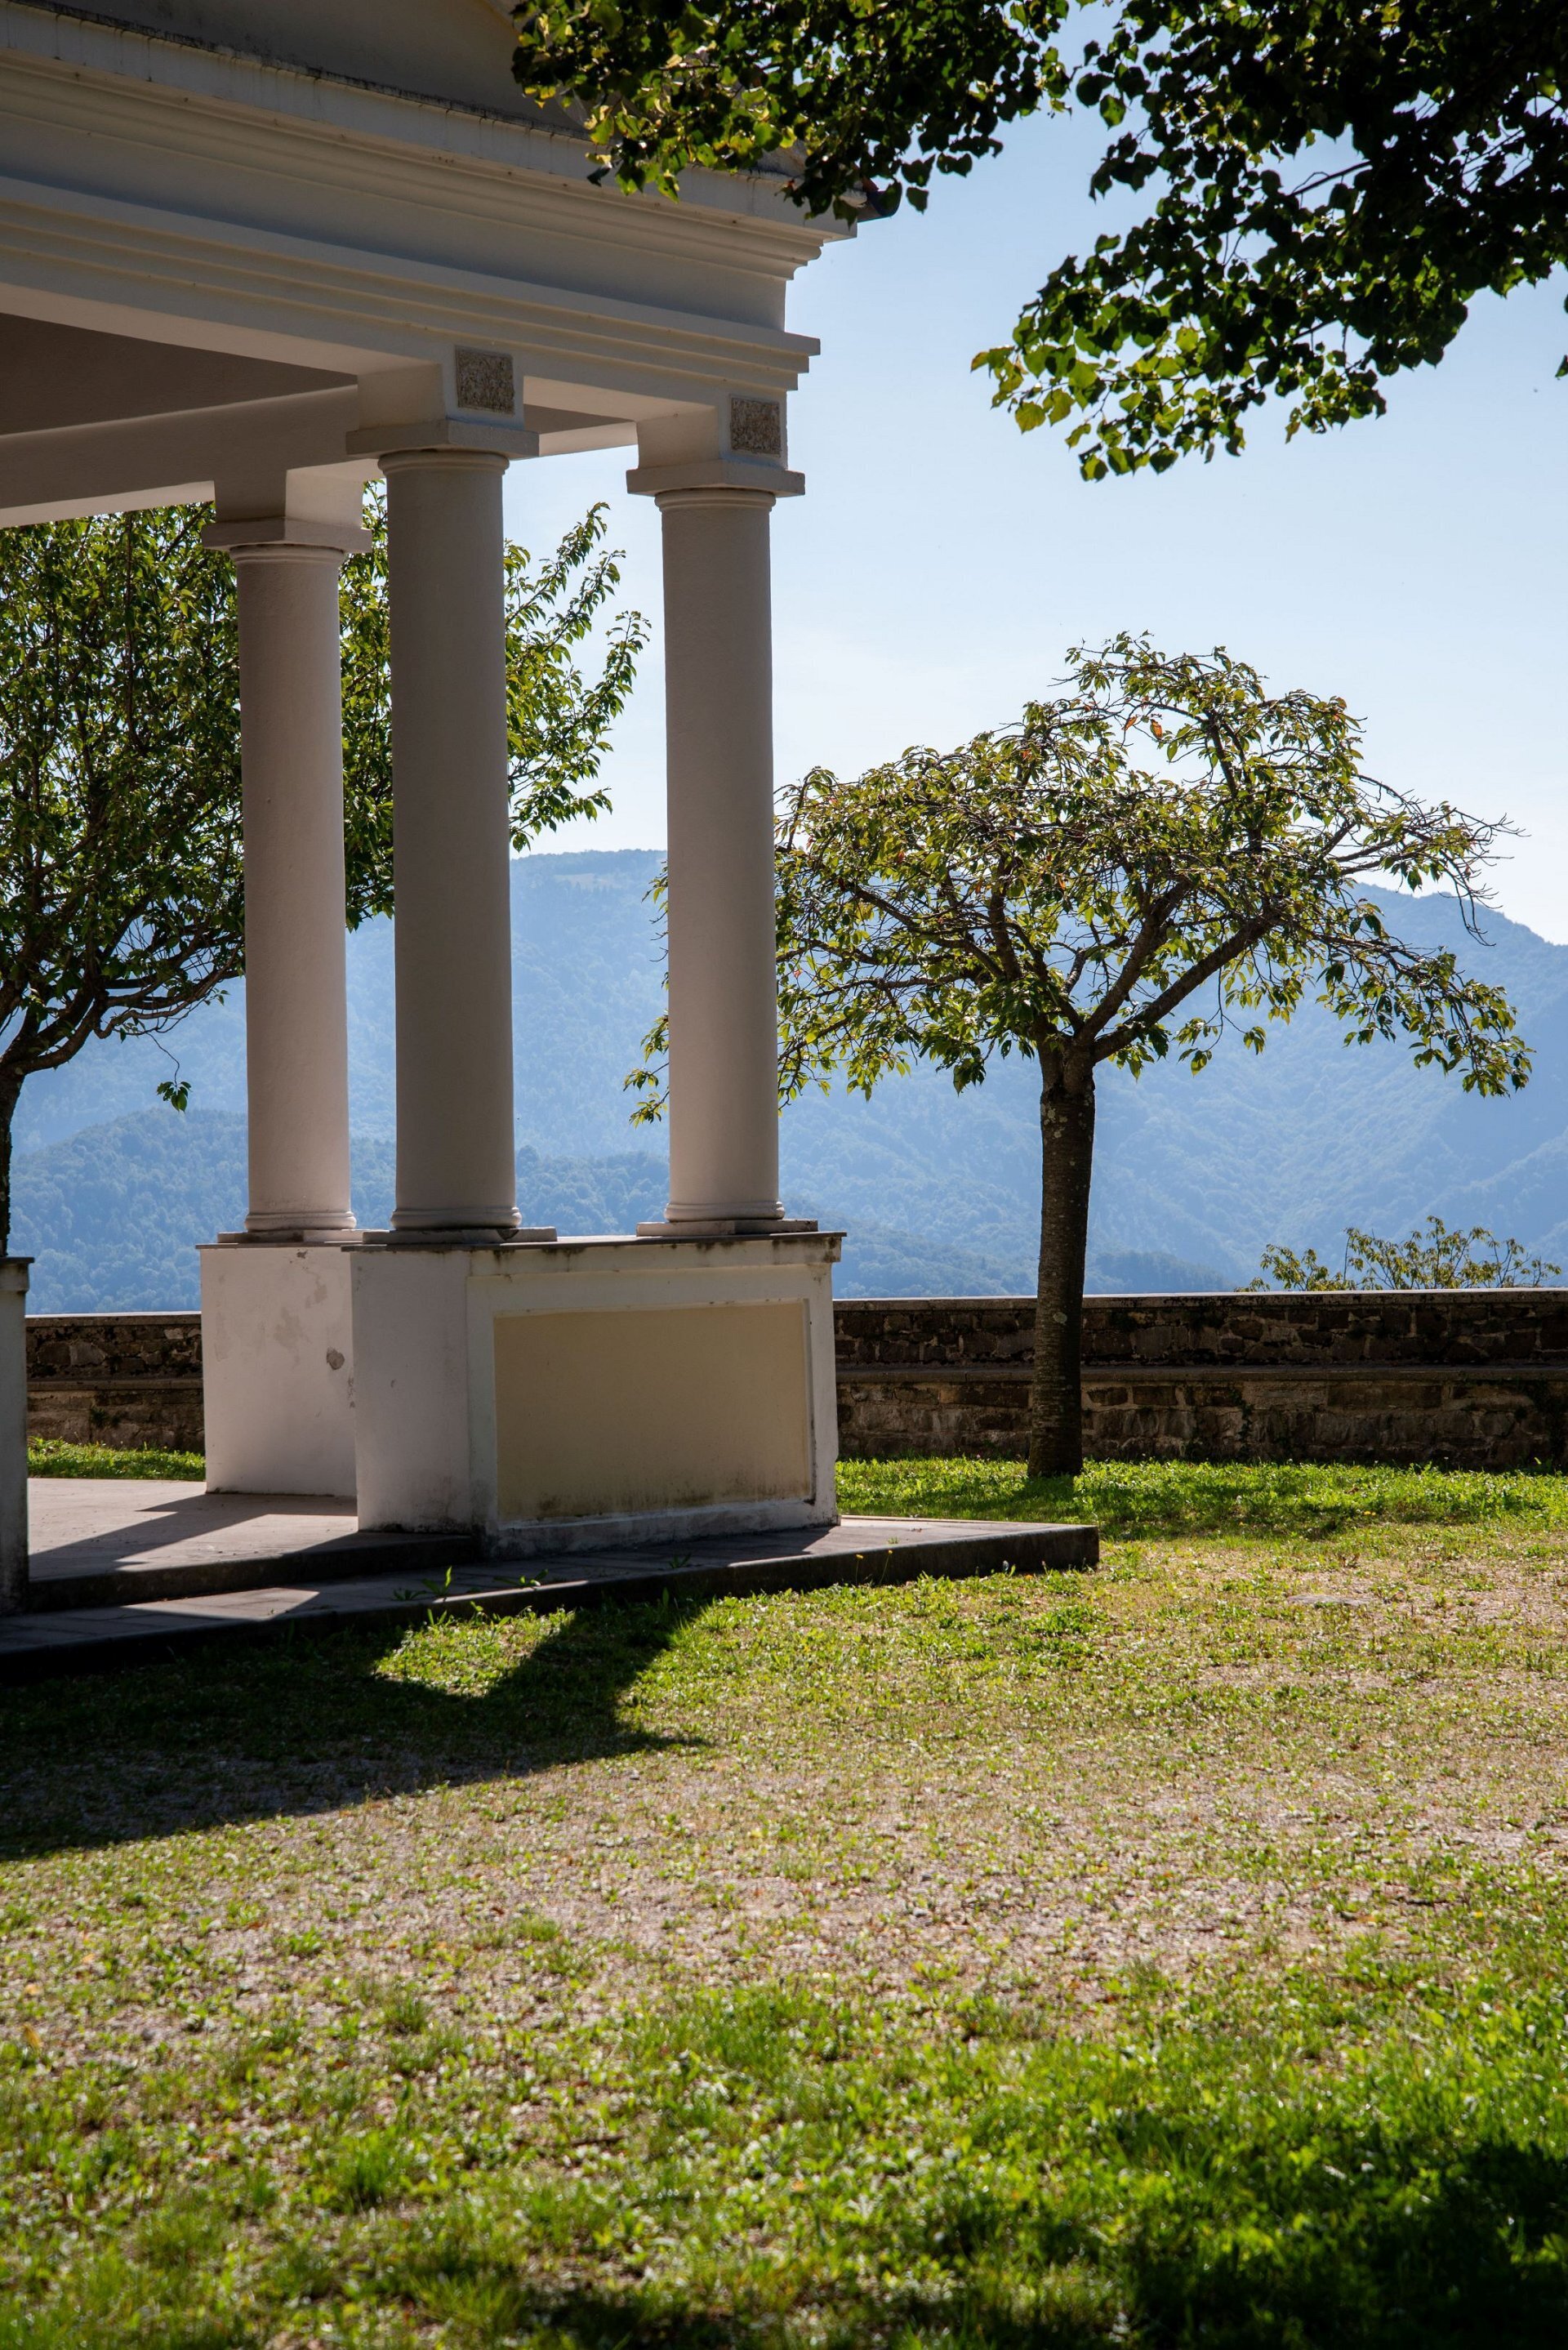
(443, 460)
(722, 477)
(281, 539)
(443, 436)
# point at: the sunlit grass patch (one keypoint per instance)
(366, 2168)
(50, 1456)
(467, 1656)
(1148, 1497)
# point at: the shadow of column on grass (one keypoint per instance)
(311, 1724)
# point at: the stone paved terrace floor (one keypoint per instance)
(112, 1538)
(124, 1569)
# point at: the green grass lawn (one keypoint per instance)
(1169, 1955)
(49, 1457)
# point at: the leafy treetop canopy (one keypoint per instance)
(1164, 852)
(121, 895)
(1326, 184)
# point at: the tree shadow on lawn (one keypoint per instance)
(1246, 2249)
(307, 1725)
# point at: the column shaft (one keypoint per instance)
(297, 1022)
(451, 842)
(724, 1010)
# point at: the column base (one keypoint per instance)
(589, 1393)
(725, 1228)
(293, 1236)
(278, 1364)
(299, 1227)
(465, 1236)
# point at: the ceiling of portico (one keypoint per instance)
(93, 421)
(54, 377)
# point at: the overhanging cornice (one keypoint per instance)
(130, 269)
(173, 73)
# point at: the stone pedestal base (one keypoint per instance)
(586, 1393)
(277, 1368)
(13, 1432)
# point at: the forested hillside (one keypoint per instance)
(112, 1215)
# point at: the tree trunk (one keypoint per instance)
(1066, 1162)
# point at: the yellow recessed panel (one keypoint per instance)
(651, 1408)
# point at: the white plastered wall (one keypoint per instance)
(277, 1354)
(429, 1445)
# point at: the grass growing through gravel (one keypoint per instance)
(1170, 1955)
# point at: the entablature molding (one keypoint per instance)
(128, 269)
(186, 105)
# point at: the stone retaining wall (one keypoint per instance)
(116, 1378)
(1477, 1379)
(1471, 1377)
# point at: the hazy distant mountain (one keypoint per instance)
(587, 966)
(939, 1191)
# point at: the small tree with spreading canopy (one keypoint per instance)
(121, 891)
(1164, 853)
(1434, 1256)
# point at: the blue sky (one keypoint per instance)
(941, 562)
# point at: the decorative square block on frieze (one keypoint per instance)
(756, 427)
(485, 382)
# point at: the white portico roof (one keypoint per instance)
(240, 239)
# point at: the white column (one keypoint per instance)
(724, 1010)
(297, 1021)
(13, 1433)
(452, 843)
